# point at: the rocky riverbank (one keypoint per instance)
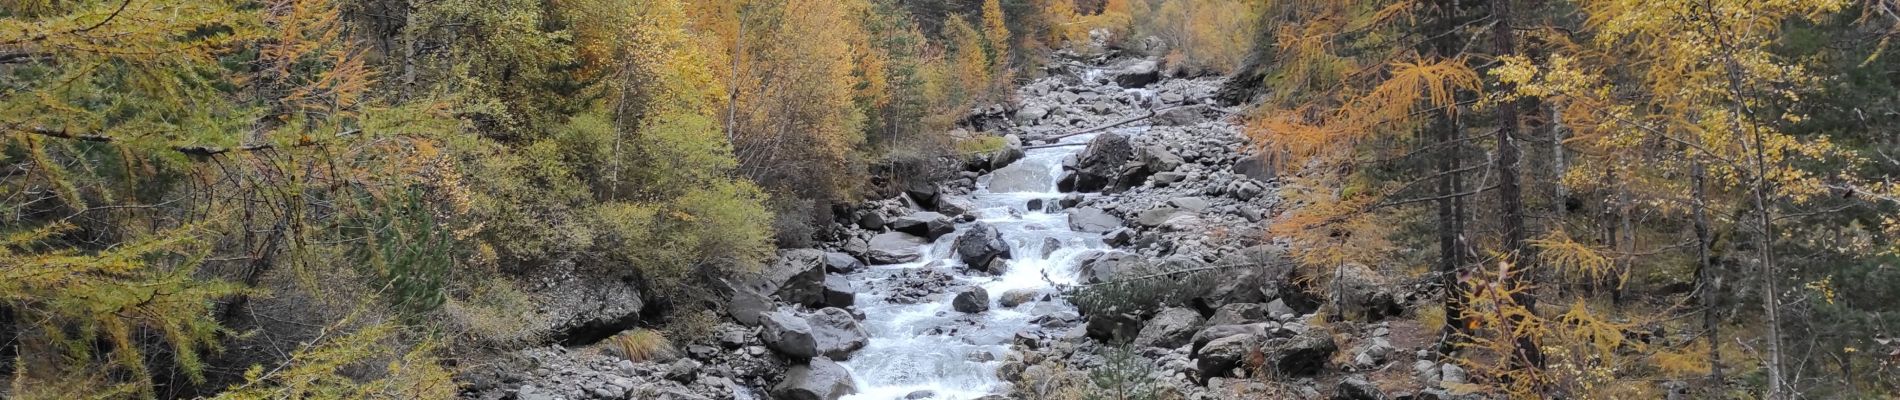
(1153, 178)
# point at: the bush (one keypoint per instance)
(640, 345)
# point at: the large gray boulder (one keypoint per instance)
(1239, 313)
(971, 300)
(928, 225)
(839, 293)
(1181, 116)
(1006, 156)
(1154, 217)
(1098, 266)
(1220, 356)
(1159, 159)
(980, 245)
(1092, 220)
(1362, 294)
(955, 206)
(1262, 272)
(796, 277)
(1257, 167)
(1304, 354)
(1113, 327)
(894, 248)
(841, 263)
(1139, 75)
(820, 379)
(1216, 332)
(1099, 166)
(1021, 178)
(1169, 329)
(830, 332)
(1016, 297)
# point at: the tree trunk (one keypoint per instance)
(1705, 271)
(1444, 130)
(1510, 193)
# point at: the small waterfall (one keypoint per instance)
(929, 346)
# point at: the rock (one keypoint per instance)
(1219, 357)
(1190, 204)
(1138, 75)
(971, 300)
(1099, 165)
(1120, 237)
(871, 220)
(1256, 167)
(683, 371)
(1170, 329)
(797, 277)
(1267, 275)
(1278, 307)
(922, 192)
(920, 395)
(1050, 246)
(1302, 355)
(837, 333)
(895, 248)
(1092, 220)
(1113, 328)
(1357, 388)
(1159, 159)
(788, 334)
(1098, 267)
(1155, 216)
(1006, 156)
(1181, 116)
(1244, 190)
(1452, 373)
(955, 206)
(839, 293)
(1362, 294)
(1020, 178)
(1212, 333)
(821, 379)
(1016, 297)
(841, 263)
(1034, 205)
(1239, 313)
(1069, 200)
(980, 245)
(929, 225)
(1165, 179)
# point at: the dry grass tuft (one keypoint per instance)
(640, 345)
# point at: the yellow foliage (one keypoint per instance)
(641, 345)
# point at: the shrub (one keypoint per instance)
(641, 345)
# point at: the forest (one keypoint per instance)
(1588, 199)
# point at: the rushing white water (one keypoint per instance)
(912, 347)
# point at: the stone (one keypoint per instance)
(971, 300)
(1357, 388)
(788, 334)
(1099, 165)
(923, 192)
(1302, 355)
(837, 333)
(1098, 267)
(1092, 220)
(1215, 332)
(682, 371)
(820, 379)
(830, 332)
(980, 245)
(1452, 373)
(1170, 328)
(1008, 155)
(1239, 313)
(1256, 167)
(1190, 204)
(955, 206)
(1362, 294)
(920, 395)
(929, 225)
(1220, 356)
(1155, 216)
(1181, 116)
(841, 263)
(1159, 159)
(1120, 237)
(895, 248)
(797, 277)
(1034, 205)
(1069, 200)
(1016, 297)
(871, 220)
(1139, 74)
(1021, 178)
(1050, 246)
(1165, 179)
(839, 293)
(1113, 328)
(1278, 307)
(1266, 274)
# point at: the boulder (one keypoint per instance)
(1190, 204)
(1357, 388)
(1362, 294)
(1154, 217)
(1020, 178)
(789, 334)
(1165, 179)
(1304, 354)
(894, 248)
(871, 220)
(797, 277)
(981, 244)
(1016, 297)
(1256, 167)
(820, 379)
(836, 333)
(1159, 159)
(1138, 75)
(955, 206)
(1113, 328)
(1216, 332)
(841, 263)
(1181, 116)
(921, 191)
(971, 300)
(1169, 329)
(1266, 273)
(1005, 157)
(929, 225)
(1239, 313)
(1220, 356)
(1069, 201)
(1099, 166)
(1092, 220)
(839, 293)
(1050, 246)
(1098, 267)
(1031, 114)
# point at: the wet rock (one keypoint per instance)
(955, 206)
(831, 332)
(1006, 156)
(1069, 200)
(971, 300)
(923, 192)
(1050, 246)
(980, 245)
(788, 334)
(1092, 220)
(837, 333)
(821, 379)
(1239, 313)
(1020, 178)
(1034, 205)
(920, 395)
(929, 225)
(1170, 329)
(895, 248)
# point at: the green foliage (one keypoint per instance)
(1124, 375)
(317, 371)
(409, 253)
(1141, 287)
